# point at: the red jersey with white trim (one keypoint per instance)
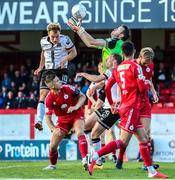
(148, 72)
(59, 103)
(130, 79)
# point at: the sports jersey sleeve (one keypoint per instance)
(140, 79)
(68, 43)
(49, 105)
(74, 91)
(110, 83)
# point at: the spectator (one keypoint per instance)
(24, 74)
(32, 101)
(173, 73)
(33, 85)
(11, 71)
(21, 101)
(163, 75)
(9, 102)
(23, 88)
(17, 79)
(85, 87)
(3, 95)
(6, 80)
(13, 88)
(159, 55)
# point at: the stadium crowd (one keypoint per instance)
(19, 88)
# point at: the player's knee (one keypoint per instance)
(94, 134)
(79, 132)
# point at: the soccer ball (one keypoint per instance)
(78, 11)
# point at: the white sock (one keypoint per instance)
(151, 170)
(40, 111)
(95, 156)
(88, 138)
(96, 146)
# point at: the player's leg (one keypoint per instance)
(57, 135)
(110, 147)
(97, 130)
(82, 143)
(102, 138)
(144, 151)
(41, 106)
(112, 137)
(89, 124)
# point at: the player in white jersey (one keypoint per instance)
(57, 51)
(102, 118)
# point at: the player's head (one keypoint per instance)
(53, 30)
(122, 32)
(100, 68)
(52, 81)
(146, 56)
(113, 60)
(128, 49)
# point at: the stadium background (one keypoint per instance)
(23, 23)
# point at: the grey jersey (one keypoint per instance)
(54, 53)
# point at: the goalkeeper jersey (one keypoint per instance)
(112, 46)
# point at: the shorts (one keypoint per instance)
(145, 110)
(106, 118)
(62, 74)
(130, 119)
(66, 123)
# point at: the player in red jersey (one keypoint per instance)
(66, 102)
(145, 61)
(131, 81)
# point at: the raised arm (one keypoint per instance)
(89, 40)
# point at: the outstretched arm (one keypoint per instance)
(89, 40)
(90, 77)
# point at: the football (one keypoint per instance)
(78, 11)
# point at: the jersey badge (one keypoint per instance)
(147, 69)
(66, 96)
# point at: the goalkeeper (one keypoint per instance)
(109, 46)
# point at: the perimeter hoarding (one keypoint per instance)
(101, 14)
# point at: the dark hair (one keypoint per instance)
(48, 76)
(125, 33)
(128, 48)
(117, 57)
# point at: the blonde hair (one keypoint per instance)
(54, 27)
(147, 53)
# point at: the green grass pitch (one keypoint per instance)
(74, 170)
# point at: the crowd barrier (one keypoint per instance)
(20, 140)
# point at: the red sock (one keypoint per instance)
(144, 152)
(121, 153)
(83, 147)
(53, 156)
(110, 147)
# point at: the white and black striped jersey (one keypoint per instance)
(114, 90)
(54, 53)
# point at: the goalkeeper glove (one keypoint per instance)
(74, 24)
